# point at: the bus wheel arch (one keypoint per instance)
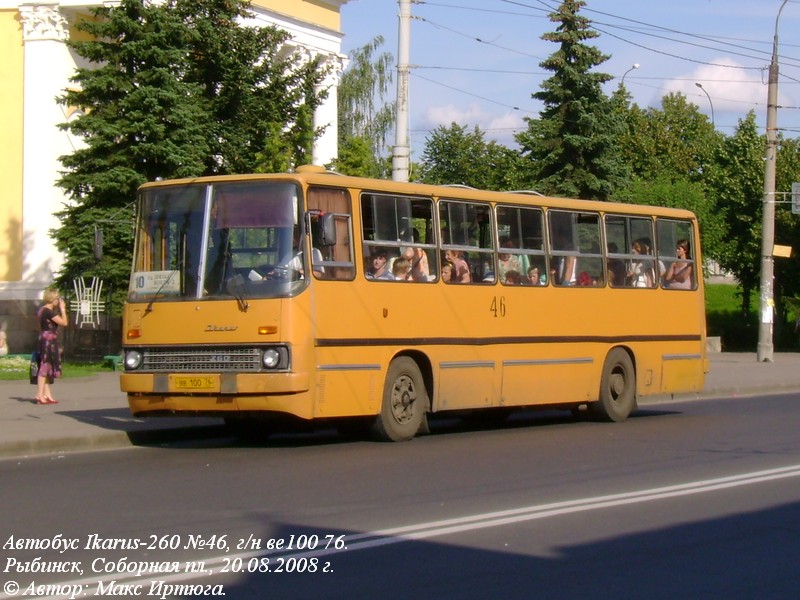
(617, 397)
(405, 402)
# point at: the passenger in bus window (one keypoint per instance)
(460, 268)
(401, 269)
(533, 276)
(679, 273)
(505, 260)
(447, 272)
(565, 272)
(566, 268)
(615, 267)
(513, 278)
(418, 259)
(378, 265)
(641, 273)
(291, 265)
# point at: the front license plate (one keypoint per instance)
(195, 383)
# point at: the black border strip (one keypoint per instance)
(489, 341)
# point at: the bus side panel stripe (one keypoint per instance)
(489, 341)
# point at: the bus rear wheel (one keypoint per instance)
(617, 388)
(404, 404)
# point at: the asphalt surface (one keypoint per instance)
(92, 412)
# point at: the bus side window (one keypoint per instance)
(677, 250)
(400, 226)
(521, 244)
(575, 249)
(331, 234)
(467, 240)
(630, 256)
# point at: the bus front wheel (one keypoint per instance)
(617, 388)
(405, 402)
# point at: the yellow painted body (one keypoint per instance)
(478, 346)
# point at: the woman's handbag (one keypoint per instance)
(34, 367)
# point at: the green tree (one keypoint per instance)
(572, 145)
(787, 232)
(179, 89)
(365, 117)
(680, 192)
(675, 141)
(356, 158)
(736, 181)
(453, 155)
(670, 154)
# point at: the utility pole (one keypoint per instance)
(402, 151)
(767, 304)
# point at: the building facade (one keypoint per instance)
(35, 70)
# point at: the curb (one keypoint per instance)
(184, 433)
(109, 441)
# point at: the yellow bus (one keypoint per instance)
(329, 298)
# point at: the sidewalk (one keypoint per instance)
(93, 413)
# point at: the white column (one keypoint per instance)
(326, 147)
(46, 71)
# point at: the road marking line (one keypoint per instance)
(420, 531)
(530, 513)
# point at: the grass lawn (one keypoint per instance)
(16, 367)
(722, 298)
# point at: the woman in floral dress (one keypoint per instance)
(51, 314)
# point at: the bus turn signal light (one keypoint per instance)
(267, 329)
(134, 333)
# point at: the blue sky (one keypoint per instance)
(476, 62)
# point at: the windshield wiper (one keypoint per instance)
(149, 307)
(235, 286)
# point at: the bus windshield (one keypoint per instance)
(224, 240)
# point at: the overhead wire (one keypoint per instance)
(603, 29)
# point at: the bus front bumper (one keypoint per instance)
(208, 393)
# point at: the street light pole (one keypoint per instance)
(767, 303)
(634, 66)
(700, 85)
(401, 153)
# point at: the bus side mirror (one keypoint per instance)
(327, 230)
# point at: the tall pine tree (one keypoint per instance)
(571, 145)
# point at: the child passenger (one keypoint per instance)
(401, 269)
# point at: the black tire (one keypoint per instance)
(617, 388)
(405, 402)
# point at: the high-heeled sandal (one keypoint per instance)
(49, 400)
(40, 400)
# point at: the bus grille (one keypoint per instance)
(232, 358)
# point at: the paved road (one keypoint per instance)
(695, 500)
(93, 413)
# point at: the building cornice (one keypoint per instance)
(43, 22)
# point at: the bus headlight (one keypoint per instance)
(271, 358)
(133, 359)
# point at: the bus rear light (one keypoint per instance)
(267, 330)
(134, 333)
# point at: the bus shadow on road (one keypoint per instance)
(300, 434)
